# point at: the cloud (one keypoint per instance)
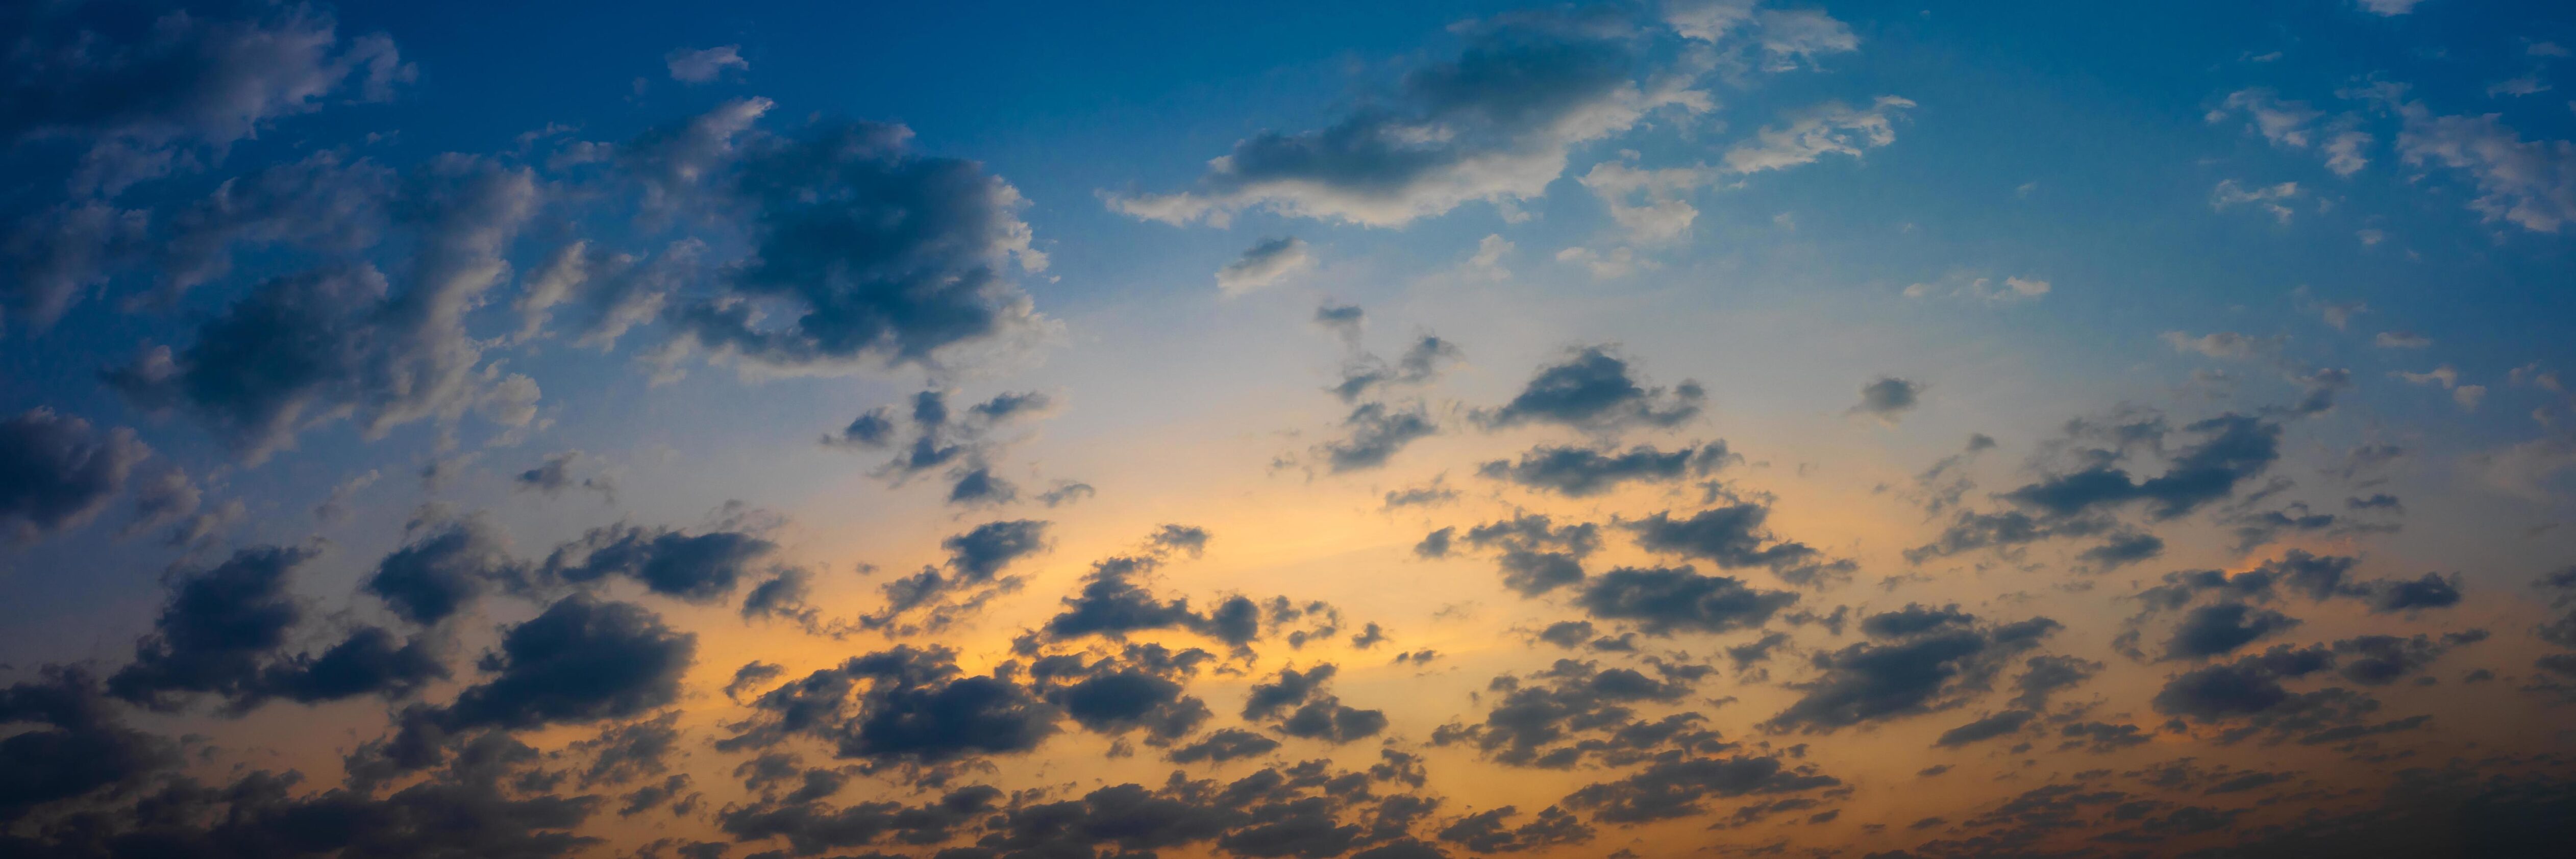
(2295, 125)
(1496, 124)
(1265, 264)
(444, 567)
(1829, 129)
(906, 704)
(582, 660)
(1224, 744)
(960, 445)
(50, 257)
(1421, 363)
(1304, 710)
(1537, 555)
(144, 100)
(2389, 8)
(1593, 390)
(225, 631)
(1923, 660)
(849, 286)
(338, 341)
(1889, 398)
(553, 475)
(2231, 449)
(1558, 717)
(1674, 787)
(1736, 536)
(1580, 472)
(1116, 697)
(1665, 600)
(2529, 183)
(1376, 433)
(57, 472)
(693, 567)
(2271, 198)
(706, 64)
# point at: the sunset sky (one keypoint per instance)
(1374, 430)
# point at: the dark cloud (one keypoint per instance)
(852, 283)
(57, 471)
(52, 256)
(1422, 362)
(1579, 472)
(1665, 600)
(1675, 786)
(2122, 550)
(444, 567)
(67, 742)
(1495, 123)
(694, 567)
(554, 475)
(2000, 724)
(905, 705)
(2219, 629)
(2231, 449)
(1491, 831)
(142, 91)
(1560, 716)
(323, 203)
(339, 341)
(1927, 660)
(1310, 712)
(1537, 555)
(1435, 544)
(2049, 674)
(1888, 398)
(225, 632)
(961, 446)
(810, 828)
(2007, 530)
(582, 660)
(1593, 390)
(1224, 744)
(1374, 433)
(2251, 697)
(1142, 691)
(1111, 603)
(1736, 536)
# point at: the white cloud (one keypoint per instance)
(1488, 261)
(2295, 125)
(1616, 263)
(703, 66)
(2530, 183)
(1830, 129)
(2229, 195)
(1647, 204)
(2390, 7)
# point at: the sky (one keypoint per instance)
(1384, 431)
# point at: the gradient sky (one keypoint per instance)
(1387, 431)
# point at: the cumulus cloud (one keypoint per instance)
(1496, 124)
(1594, 390)
(145, 100)
(1265, 264)
(339, 341)
(2270, 198)
(58, 471)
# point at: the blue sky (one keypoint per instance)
(383, 386)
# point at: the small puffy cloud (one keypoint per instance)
(58, 471)
(1265, 264)
(2295, 125)
(1594, 389)
(1888, 398)
(2390, 8)
(2529, 183)
(2271, 198)
(705, 65)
